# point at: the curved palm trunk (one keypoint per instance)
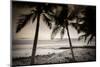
(35, 41)
(70, 43)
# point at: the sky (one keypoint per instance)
(28, 31)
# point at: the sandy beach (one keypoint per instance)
(81, 55)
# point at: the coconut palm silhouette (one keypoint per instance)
(61, 24)
(39, 9)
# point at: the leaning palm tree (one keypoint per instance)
(38, 10)
(61, 24)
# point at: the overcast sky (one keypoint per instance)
(28, 31)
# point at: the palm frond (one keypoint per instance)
(55, 30)
(23, 21)
(34, 11)
(51, 15)
(85, 37)
(47, 21)
(33, 18)
(48, 8)
(62, 32)
(90, 39)
(75, 25)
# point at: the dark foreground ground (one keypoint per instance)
(81, 55)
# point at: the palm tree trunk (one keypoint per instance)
(35, 41)
(70, 44)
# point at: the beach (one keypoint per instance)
(81, 55)
(50, 52)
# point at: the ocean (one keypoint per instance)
(23, 48)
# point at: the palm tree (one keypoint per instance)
(38, 10)
(61, 24)
(88, 27)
